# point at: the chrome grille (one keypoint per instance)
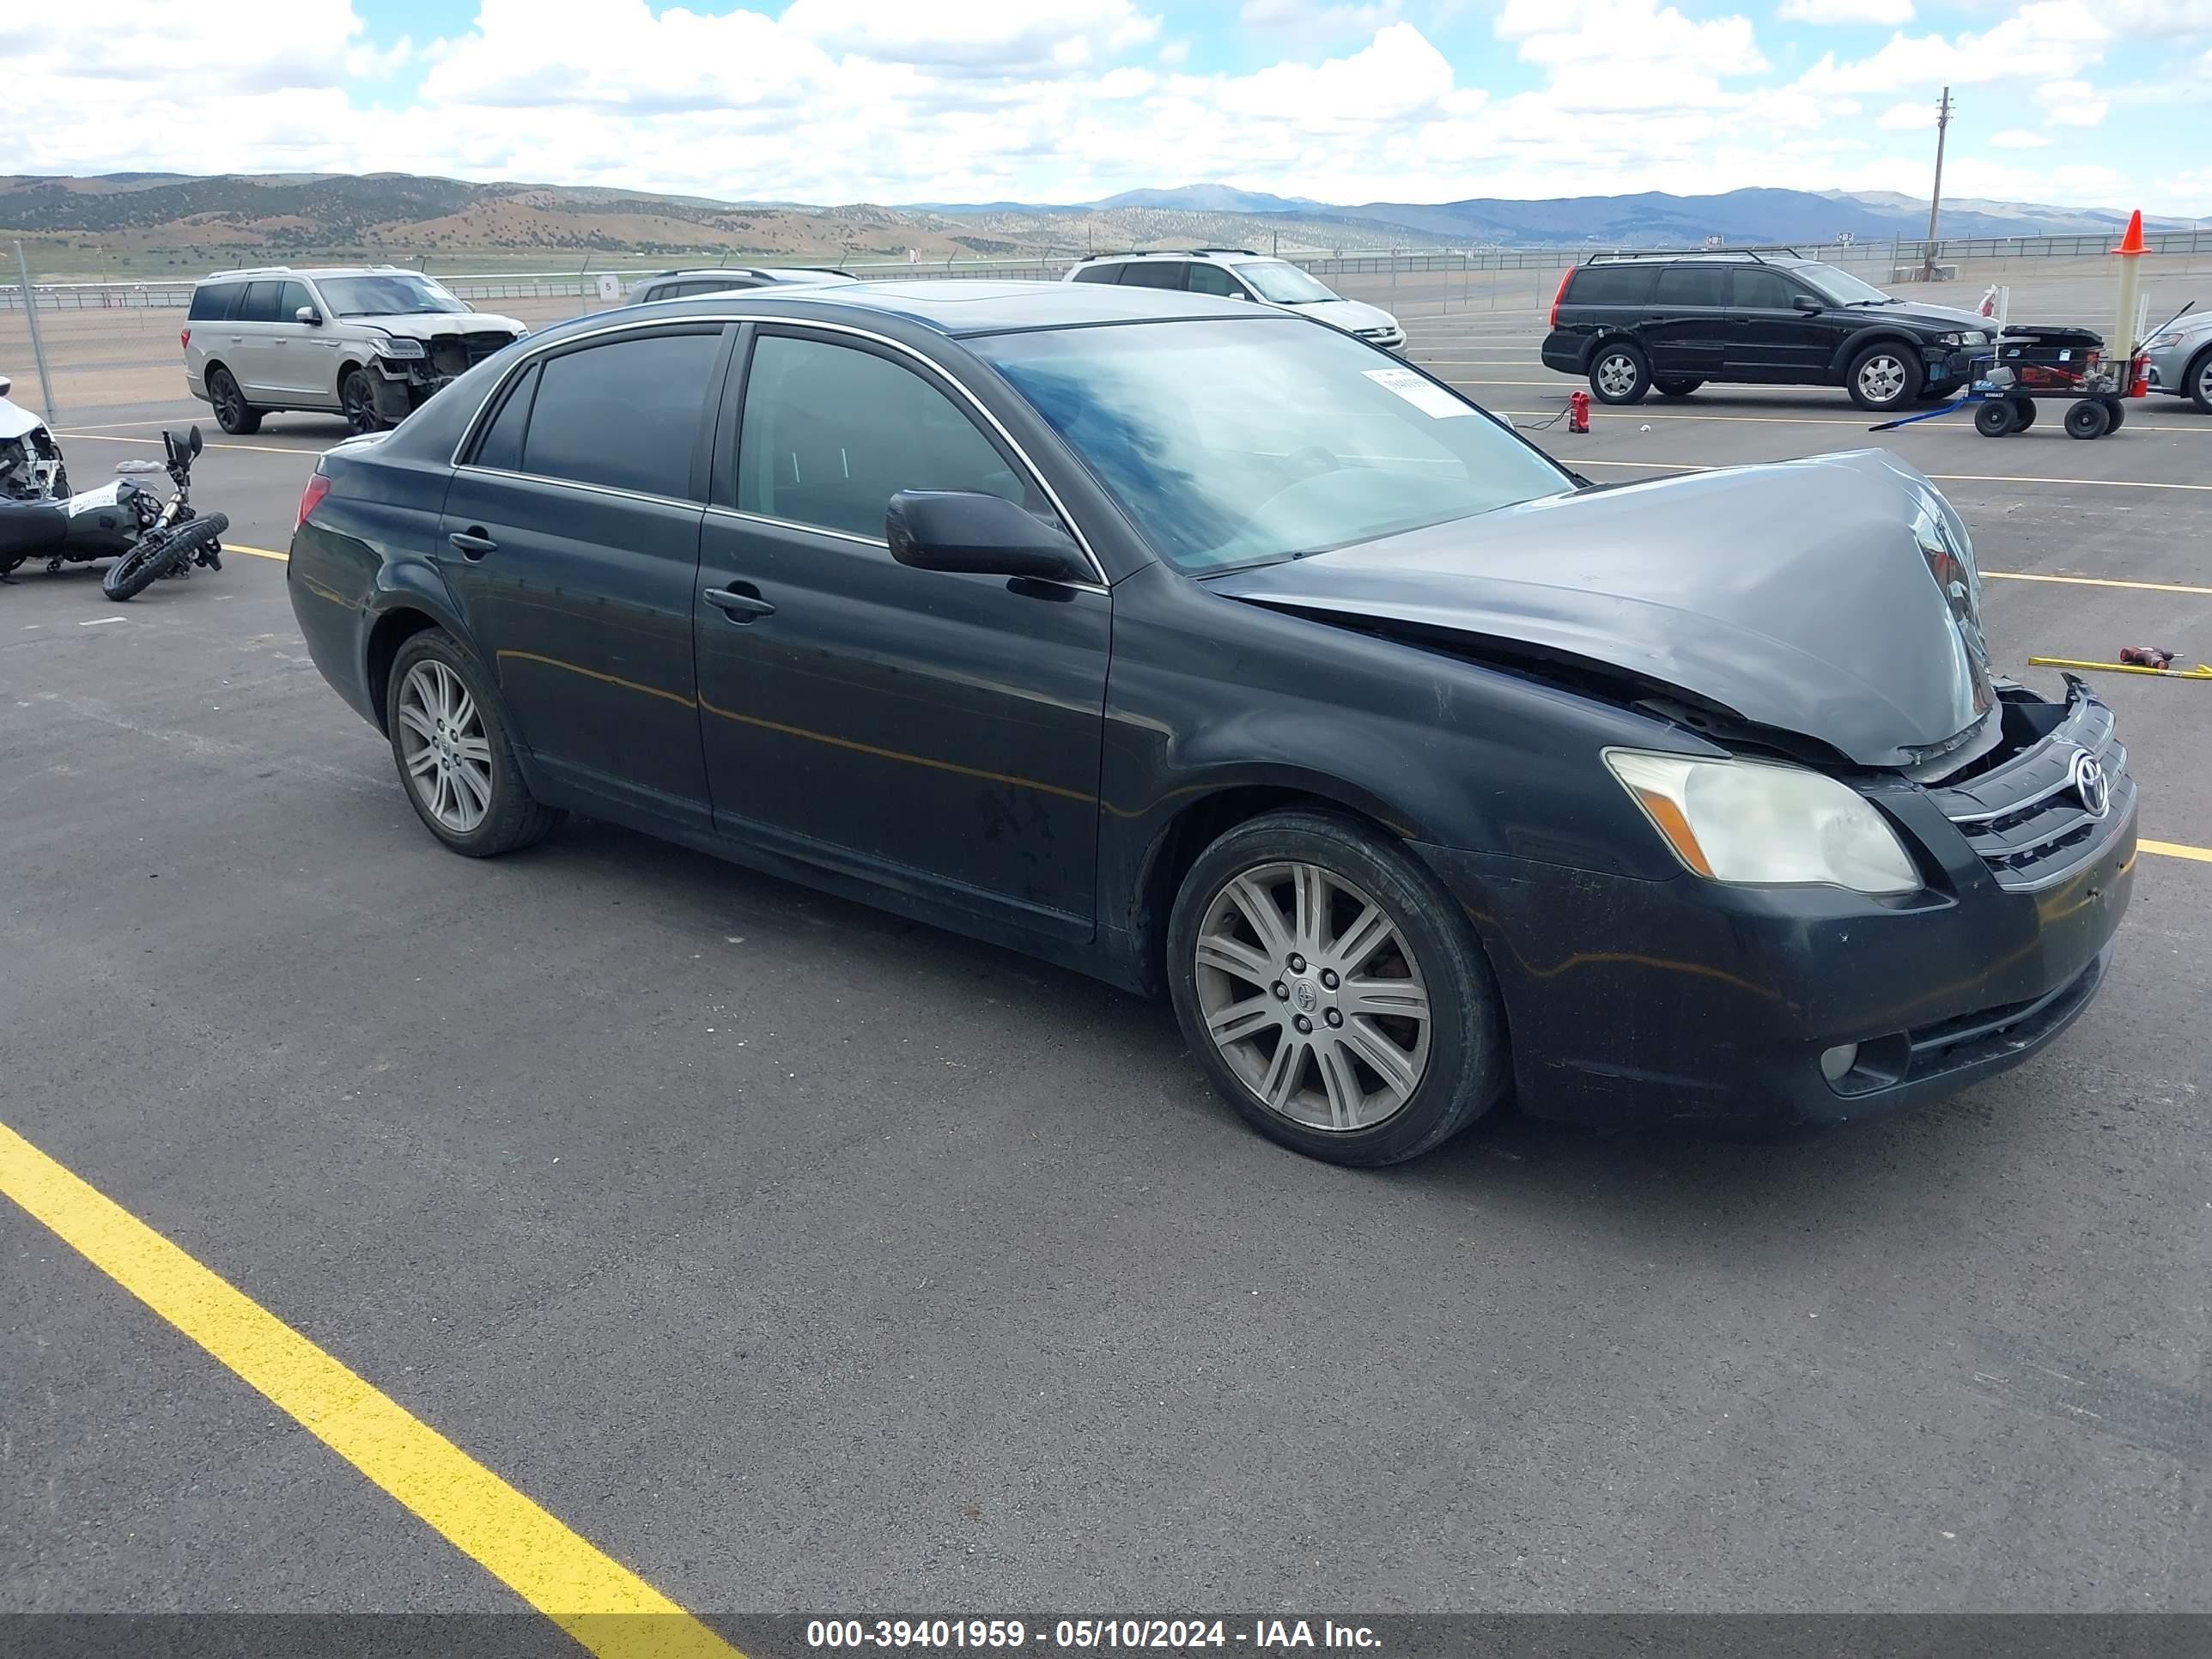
(2024, 818)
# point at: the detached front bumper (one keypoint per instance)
(1690, 1000)
(398, 388)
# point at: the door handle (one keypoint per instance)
(740, 602)
(472, 543)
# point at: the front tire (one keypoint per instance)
(1619, 374)
(232, 412)
(1676, 387)
(450, 742)
(358, 398)
(1333, 992)
(1883, 377)
(2198, 378)
(157, 555)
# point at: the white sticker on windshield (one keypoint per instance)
(1426, 396)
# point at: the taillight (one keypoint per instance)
(1566, 277)
(311, 497)
(184, 337)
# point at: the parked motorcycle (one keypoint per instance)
(148, 538)
(31, 467)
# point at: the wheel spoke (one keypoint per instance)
(1390, 1062)
(422, 761)
(1404, 999)
(1242, 1019)
(417, 721)
(465, 707)
(1284, 1072)
(474, 749)
(441, 795)
(479, 788)
(1259, 908)
(1309, 907)
(1235, 958)
(1345, 1096)
(1361, 940)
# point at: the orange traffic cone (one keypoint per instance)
(2132, 243)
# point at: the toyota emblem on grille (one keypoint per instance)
(2086, 773)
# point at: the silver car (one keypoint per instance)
(1238, 273)
(2181, 359)
(370, 341)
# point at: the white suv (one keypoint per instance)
(1238, 273)
(371, 341)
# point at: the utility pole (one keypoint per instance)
(1936, 197)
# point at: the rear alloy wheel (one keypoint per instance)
(450, 742)
(2198, 380)
(1333, 992)
(232, 412)
(1619, 374)
(1675, 386)
(358, 398)
(1883, 377)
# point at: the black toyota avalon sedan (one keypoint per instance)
(1211, 650)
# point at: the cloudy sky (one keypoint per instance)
(2087, 102)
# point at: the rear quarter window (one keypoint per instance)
(214, 302)
(626, 413)
(1611, 285)
(1694, 285)
(1098, 274)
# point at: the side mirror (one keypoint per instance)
(192, 442)
(309, 315)
(1805, 303)
(982, 535)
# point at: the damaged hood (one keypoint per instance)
(1835, 597)
(436, 326)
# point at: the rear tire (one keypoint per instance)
(2116, 415)
(1619, 374)
(1883, 377)
(1676, 387)
(445, 722)
(2023, 413)
(155, 557)
(1358, 1084)
(2087, 419)
(232, 412)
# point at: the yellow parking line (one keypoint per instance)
(2174, 849)
(2094, 581)
(605, 1607)
(1940, 478)
(259, 552)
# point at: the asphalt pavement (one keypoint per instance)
(804, 1259)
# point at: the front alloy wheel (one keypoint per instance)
(1883, 377)
(1333, 991)
(358, 398)
(1312, 998)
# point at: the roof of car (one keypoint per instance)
(980, 306)
(1223, 255)
(308, 271)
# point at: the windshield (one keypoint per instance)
(1283, 283)
(386, 297)
(1234, 443)
(1840, 287)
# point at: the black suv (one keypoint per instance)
(1633, 321)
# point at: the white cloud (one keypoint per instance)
(1640, 35)
(2045, 37)
(2073, 104)
(1307, 19)
(2019, 139)
(1846, 11)
(2163, 17)
(1000, 40)
(1906, 117)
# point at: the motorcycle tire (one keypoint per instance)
(155, 557)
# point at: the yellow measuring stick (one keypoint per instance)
(2202, 671)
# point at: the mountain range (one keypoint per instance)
(136, 222)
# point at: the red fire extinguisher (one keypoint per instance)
(1578, 411)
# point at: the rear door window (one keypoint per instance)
(260, 303)
(1611, 285)
(1694, 285)
(831, 433)
(1754, 288)
(625, 414)
(214, 302)
(1099, 273)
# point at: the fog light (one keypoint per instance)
(1836, 1062)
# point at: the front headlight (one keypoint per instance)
(2160, 341)
(1760, 823)
(399, 349)
(1968, 337)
